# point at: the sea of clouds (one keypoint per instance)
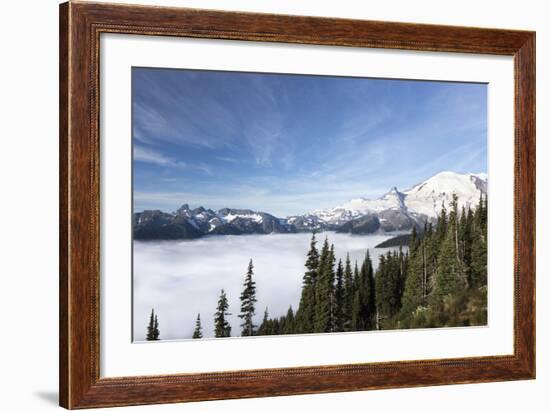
(180, 279)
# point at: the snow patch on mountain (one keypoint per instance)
(254, 217)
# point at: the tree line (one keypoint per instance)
(440, 280)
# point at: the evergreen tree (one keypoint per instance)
(478, 269)
(150, 326)
(248, 301)
(289, 322)
(468, 235)
(356, 280)
(282, 324)
(465, 241)
(403, 262)
(381, 292)
(275, 327)
(153, 328)
(480, 215)
(198, 327)
(388, 284)
(356, 319)
(414, 286)
(305, 316)
(156, 332)
(413, 241)
(450, 272)
(330, 276)
(357, 300)
(363, 308)
(324, 290)
(430, 251)
(348, 295)
(263, 329)
(413, 294)
(369, 293)
(339, 298)
(221, 325)
(441, 227)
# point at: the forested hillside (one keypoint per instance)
(439, 280)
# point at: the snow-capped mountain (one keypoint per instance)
(397, 210)
(426, 198)
(394, 211)
(194, 223)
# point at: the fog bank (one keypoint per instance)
(182, 278)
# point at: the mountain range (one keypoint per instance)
(394, 211)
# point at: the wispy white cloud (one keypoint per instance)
(228, 159)
(254, 120)
(205, 168)
(147, 155)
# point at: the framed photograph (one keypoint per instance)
(259, 205)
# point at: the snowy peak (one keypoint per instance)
(428, 197)
(393, 199)
(398, 210)
(448, 182)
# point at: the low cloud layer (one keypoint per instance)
(180, 279)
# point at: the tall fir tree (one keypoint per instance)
(150, 326)
(349, 292)
(324, 290)
(221, 325)
(339, 298)
(430, 260)
(156, 332)
(478, 270)
(153, 332)
(356, 304)
(403, 261)
(248, 301)
(381, 292)
(263, 329)
(197, 333)
(289, 322)
(331, 274)
(275, 326)
(369, 302)
(305, 316)
(413, 240)
(356, 323)
(388, 287)
(450, 275)
(465, 241)
(413, 293)
(441, 226)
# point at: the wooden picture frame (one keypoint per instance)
(80, 27)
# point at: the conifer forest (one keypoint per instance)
(438, 280)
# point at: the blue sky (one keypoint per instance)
(290, 144)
